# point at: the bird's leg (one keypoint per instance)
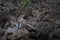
(19, 25)
(19, 22)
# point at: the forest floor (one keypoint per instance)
(40, 21)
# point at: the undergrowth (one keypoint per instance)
(26, 3)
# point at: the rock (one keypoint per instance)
(19, 34)
(24, 31)
(11, 30)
